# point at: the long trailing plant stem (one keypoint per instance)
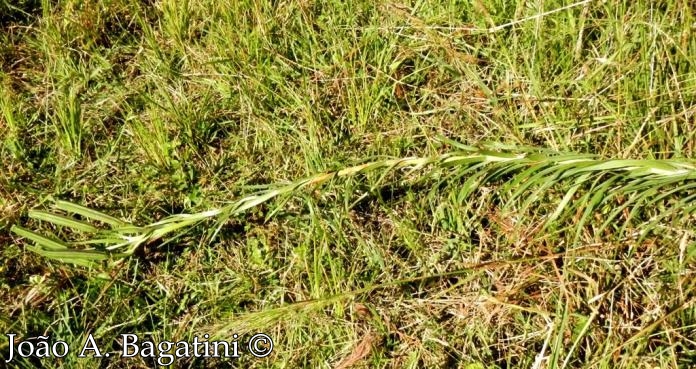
(528, 175)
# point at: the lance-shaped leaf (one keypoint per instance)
(89, 213)
(44, 242)
(63, 221)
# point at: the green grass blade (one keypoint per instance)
(42, 241)
(89, 213)
(62, 221)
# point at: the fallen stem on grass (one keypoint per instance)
(526, 175)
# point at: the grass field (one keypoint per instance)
(419, 184)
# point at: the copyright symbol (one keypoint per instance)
(260, 345)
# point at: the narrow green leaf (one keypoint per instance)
(562, 205)
(599, 195)
(89, 213)
(79, 262)
(72, 254)
(62, 221)
(42, 241)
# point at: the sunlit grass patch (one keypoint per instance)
(413, 184)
